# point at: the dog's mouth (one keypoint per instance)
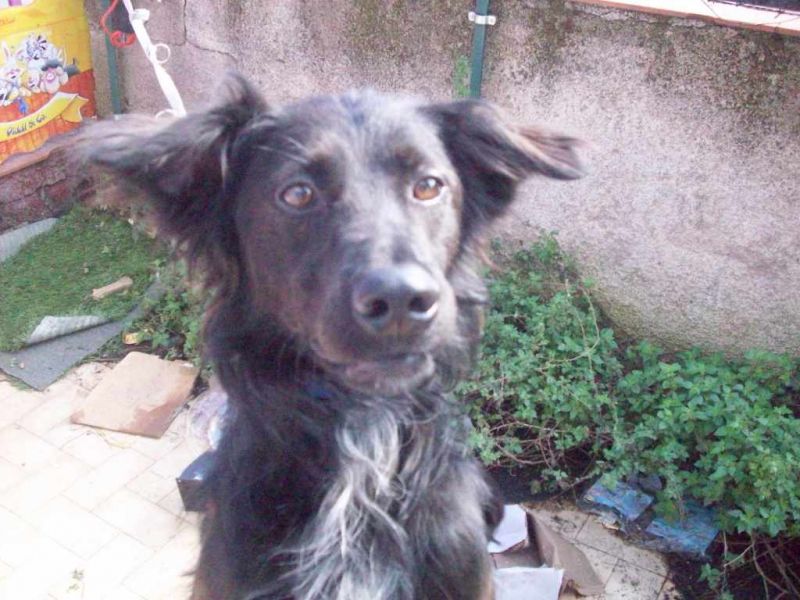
(400, 373)
(390, 375)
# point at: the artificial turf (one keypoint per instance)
(54, 273)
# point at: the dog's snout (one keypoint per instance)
(398, 300)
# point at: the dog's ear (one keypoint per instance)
(492, 155)
(181, 164)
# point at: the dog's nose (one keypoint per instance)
(398, 300)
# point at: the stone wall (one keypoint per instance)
(44, 189)
(688, 222)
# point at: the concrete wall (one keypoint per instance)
(690, 220)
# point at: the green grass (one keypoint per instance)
(55, 273)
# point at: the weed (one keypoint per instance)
(539, 391)
(172, 323)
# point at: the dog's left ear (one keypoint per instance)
(492, 155)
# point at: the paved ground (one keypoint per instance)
(95, 515)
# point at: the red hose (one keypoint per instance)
(119, 39)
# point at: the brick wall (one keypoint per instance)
(44, 189)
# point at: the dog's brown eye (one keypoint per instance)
(298, 195)
(428, 188)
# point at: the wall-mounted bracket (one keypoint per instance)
(481, 19)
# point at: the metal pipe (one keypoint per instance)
(481, 19)
(113, 71)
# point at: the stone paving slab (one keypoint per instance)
(96, 515)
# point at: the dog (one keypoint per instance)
(339, 238)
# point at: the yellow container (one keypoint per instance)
(46, 77)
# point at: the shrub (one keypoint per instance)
(717, 430)
(553, 381)
(541, 387)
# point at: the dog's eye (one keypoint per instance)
(298, 195)
(428, 188)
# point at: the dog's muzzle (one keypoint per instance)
(398, 302)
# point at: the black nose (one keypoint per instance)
(399, 300)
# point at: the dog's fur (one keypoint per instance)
(342, 473)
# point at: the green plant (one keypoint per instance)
(718, 430)
(551, 381)
(173, 322)
(540, 389)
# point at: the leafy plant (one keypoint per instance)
(173, 322)
(552, 380)
(718, 430)
(541, 390)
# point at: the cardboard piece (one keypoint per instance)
(536, 555)
(525, 583)
(557, 552)
(141, 395)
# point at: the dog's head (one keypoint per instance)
(344, 220)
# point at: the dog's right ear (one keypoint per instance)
(181, 164)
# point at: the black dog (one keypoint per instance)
(338, 238)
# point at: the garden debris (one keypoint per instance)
(512, 530)
(523, 543)
(208, 413)
(52, 327)
(556, 551)
(626, 507)
(141, 395)
(691, 535)
(12, 241)
(121, 284)
(133, 338)
(622, 501)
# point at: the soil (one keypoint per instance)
(744, 582)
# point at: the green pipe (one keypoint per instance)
(478, 45)
(113, 70)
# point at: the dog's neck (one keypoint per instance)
(360, 465)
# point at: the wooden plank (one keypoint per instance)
(731, 15)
